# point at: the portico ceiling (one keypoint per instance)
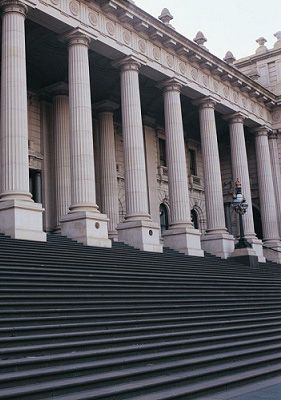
(47, 64)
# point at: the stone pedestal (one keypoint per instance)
(181, 235)
(22, 220)
(240, 171)
(84, 222)
(185, 240)
(143, 235)
(20, 217)
(87, 227)
(246, 256)
(267, 197)
(219, 244)
(216, 240)
(135, 230)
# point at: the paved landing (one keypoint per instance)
(268, 393)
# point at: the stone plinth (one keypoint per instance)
(246, 256)
(143, 235)
(22, 220)
(219, 244)
(89, 228)
(185, 240)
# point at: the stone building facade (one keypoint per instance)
(116, 127)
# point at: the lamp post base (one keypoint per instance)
(246, 256)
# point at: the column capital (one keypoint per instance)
(13, 6)
(235, 118)
(170, 85)
(76, 37)
(273, 135)
(105, 106)
(206, 102)
(261, 130)
(57, 89)
(129, 63)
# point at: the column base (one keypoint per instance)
(143, 235)
(257, 247)
(272, 251)
(22, 220)
(113, 235)
(184, 240)
(218, 244)
(87, 227)
(246, 256)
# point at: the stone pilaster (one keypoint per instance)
(216, 240)
(20, 217)
(181, 235)
(62, 155)
(267, 197)
(276, 173)
(138, 230)
(109, 184)
(240, 170)
(84, 222)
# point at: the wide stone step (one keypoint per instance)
(194, 354)
(33, 343)
(140, 379)
(44, 323)
(138, 326)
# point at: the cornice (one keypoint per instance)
(169, 38)
(130, 31)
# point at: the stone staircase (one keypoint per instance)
(81, 323)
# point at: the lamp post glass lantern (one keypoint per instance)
(240, 206)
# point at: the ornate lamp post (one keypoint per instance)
(240, 206)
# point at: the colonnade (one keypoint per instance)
(78, 213)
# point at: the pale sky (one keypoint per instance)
(227, 24)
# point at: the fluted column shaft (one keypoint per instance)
(177, 172)
(240, 168)
(212, 173)
(14, 125)
(62, 155)
(135, 169)
(276, 173)
(83, 191)
(266, 189)
(109, 186)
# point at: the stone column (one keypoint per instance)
(138, 230)
(267, 197)
(38, 187)
(20, 217)
(216, 240)
(276, 173)
(181, 235)
(62, 154)
(109, 184)
(84, 222)
(240, 170)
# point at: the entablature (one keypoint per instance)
(122, 28)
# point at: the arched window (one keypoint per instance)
(194, 218)
(164, 222)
